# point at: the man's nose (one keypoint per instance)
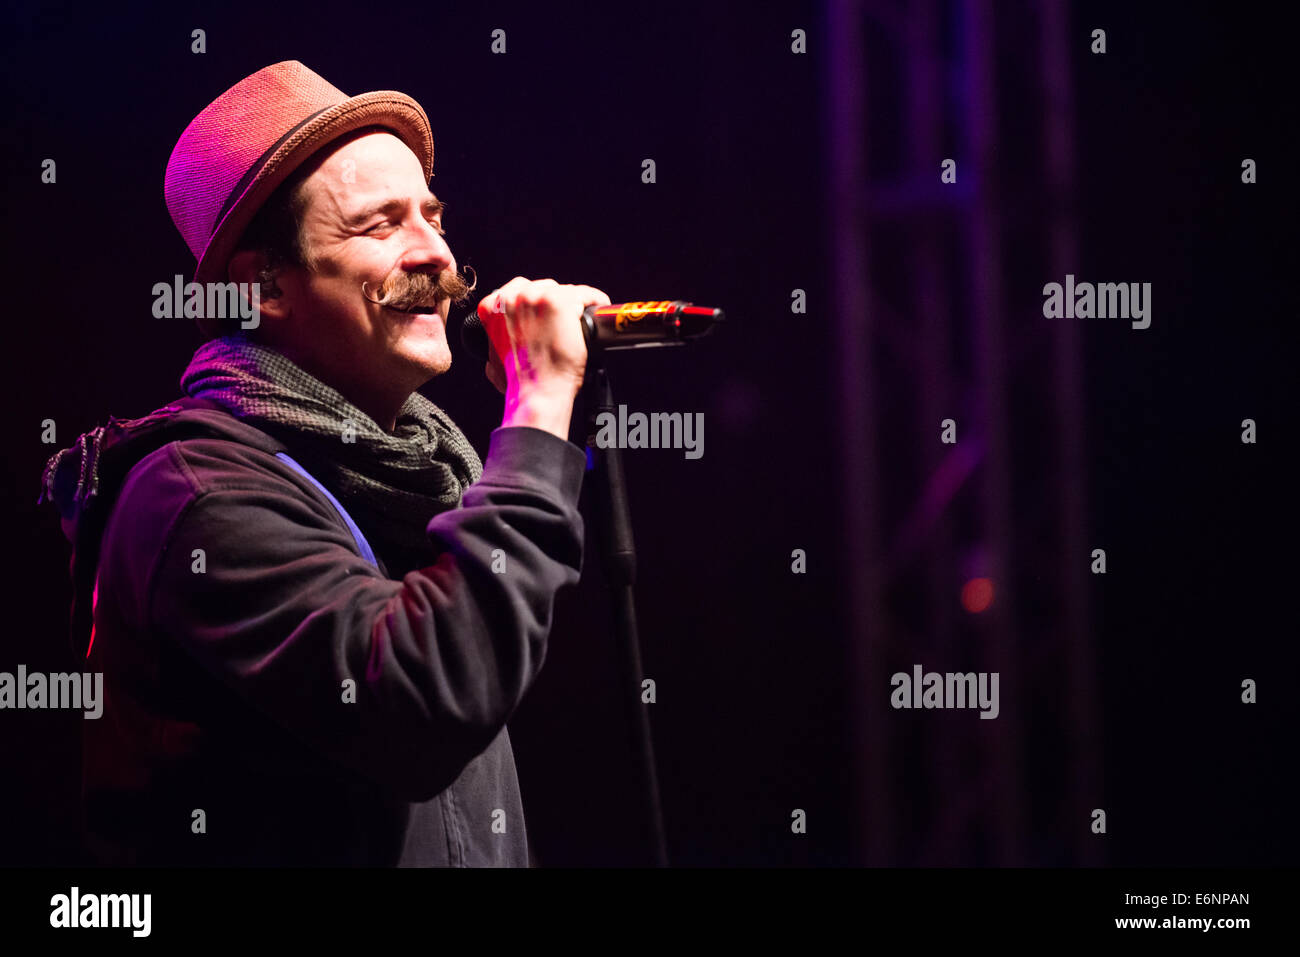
(427, 248)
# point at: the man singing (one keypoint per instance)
(314, 607)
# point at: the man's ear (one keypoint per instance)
(246, 266)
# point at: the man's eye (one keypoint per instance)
(387, 224)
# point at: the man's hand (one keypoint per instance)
(539, 354)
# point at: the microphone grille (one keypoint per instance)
(474, 337)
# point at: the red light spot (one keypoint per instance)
(977, 595)
(94, 603)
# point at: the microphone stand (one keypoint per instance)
(614, 529)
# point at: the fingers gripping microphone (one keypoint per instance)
(626, 325)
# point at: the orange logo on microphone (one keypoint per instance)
(631, 312)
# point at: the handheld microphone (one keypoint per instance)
(626, 325)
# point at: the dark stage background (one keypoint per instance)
(772, 693)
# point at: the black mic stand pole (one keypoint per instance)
(614, 529)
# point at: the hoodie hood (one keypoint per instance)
(83, 480)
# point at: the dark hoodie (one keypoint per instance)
(273, 698)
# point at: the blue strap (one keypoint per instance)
(362, 544)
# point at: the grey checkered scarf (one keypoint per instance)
(396, 481)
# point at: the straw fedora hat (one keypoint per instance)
(248, 140)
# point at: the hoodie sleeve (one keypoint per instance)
(251, 573)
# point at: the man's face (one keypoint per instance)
(371, 219)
